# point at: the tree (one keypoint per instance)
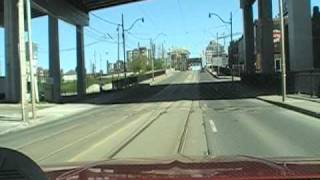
(139, 64)
(158, 64)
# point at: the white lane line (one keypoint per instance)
(213, 126)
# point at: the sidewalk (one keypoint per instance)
(10, 116)
(295, 103)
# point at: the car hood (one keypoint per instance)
(182, 167)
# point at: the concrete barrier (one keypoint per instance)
(134, 80)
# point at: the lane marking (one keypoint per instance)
(213, 126)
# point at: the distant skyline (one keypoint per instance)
(185, 23)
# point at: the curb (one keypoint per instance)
(303, 98)
(215, 76)
(293, 108)
(38, 122)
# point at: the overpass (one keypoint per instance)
(300, 35)
(76, 12)
(299, 42)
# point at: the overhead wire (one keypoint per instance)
(104, 20)
(182, 16)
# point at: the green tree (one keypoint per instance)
(158, 64)
(139, 64)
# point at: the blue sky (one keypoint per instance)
(185, 22)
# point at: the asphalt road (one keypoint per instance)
(188, 113)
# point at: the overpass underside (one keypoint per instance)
(13, 18)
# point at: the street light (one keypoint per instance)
(283, 56)
(153, 49)
(124, 40)
(231, 29)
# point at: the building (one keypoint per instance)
(135, 53)
(71, 75)
(118, 66)
(236, 55)
(179, 59)
(195, 63)
(237, 50)
(216, 55)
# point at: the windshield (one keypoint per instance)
(88, 81)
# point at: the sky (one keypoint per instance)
(185, 24)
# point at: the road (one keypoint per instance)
(188, 113)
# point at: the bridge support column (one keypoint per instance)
(14, 50)
(265, 36)
(248, 36)
(81, 71)
(54, 61)
(300, 35)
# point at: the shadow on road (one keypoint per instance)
(175, 92)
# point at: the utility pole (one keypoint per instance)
(94, 64)
(231, 38)
(101, 69)
(152, 58)
(22, 59)
(124, 48)
(218, 54)
(0, 67)
(117, 69)
(31, 63)
(163, 60)
(283, 54)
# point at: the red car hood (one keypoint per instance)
(238, 167)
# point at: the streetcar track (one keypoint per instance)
(134, 135)
(117, 150)
(92, 133)
(51, 135)
(47, 137)
(182, 138)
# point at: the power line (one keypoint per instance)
(138, 38)
(73, 48)
(104, 20)
(182, 15)
(99, 32)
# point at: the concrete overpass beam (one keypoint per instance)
(300, 35)
(54, 61)
(265, 30)
(248, 37)
(63, 10)
(14, 49)
(81, 71)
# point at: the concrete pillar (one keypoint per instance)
(265, 28)
(54, 60)
(14, 50)
(300, 35)
(81, 71)
(248, 37)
